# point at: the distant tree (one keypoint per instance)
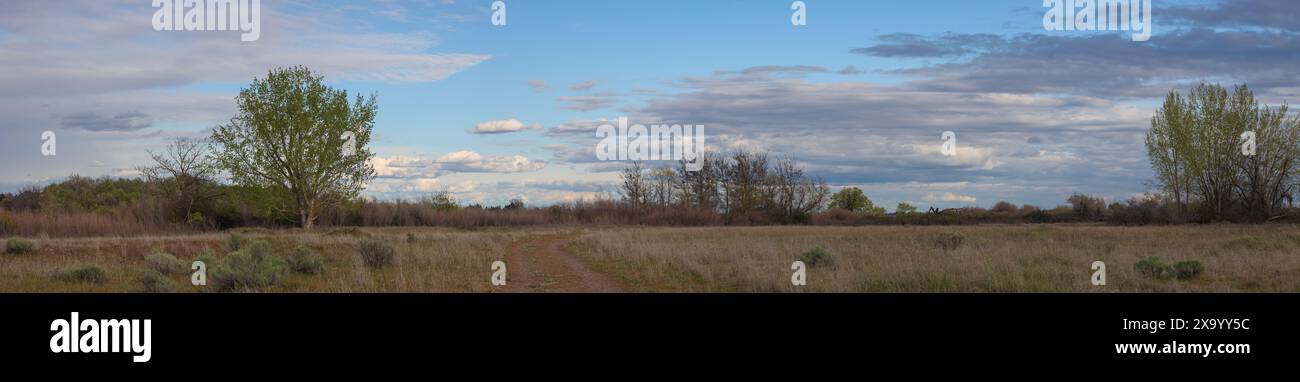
(184, 172)
(794, 196)
(904, 209)
(745, 182)
(636, 189)
(1087, 207)
(297, 135)
(662, 182)
(1004, 207)
(700, 188)
(853, 199)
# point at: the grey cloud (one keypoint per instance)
(908, 45)
(121, 122)
(588, 102)
(585, 85)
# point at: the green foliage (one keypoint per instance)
(1187, 270)
(18, 246)
(82, 194)
(817, 257)
(377, 253)
(165, 263)
(853, 199)
(251, 267)
(153, 282)
(92, 274)
(904, 209)
(234, 242)
(1153, 268)
(297, 135)
(206, 257)
(305, 261)
(1196, 143)
(196, 220)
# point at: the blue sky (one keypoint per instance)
(859, 95)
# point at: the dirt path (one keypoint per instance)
(540, 264)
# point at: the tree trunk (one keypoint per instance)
(307, 214)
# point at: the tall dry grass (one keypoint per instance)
(430, 260)
(991, 258)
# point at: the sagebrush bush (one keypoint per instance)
(251, 267)
(305, 261)
(151, 281)
(377, 253)
(84, 274)
(1187, 270)
(234, 242)
(1153, 268)
(949, 241)
(207, 258)
(817, 257)
(18, 246)
(165, 263)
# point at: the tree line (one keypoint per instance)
(743, 185)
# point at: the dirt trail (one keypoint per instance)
(540, 264)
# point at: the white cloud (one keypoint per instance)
(503, 126)
(949, 197)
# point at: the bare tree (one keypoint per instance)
(185, 172)
(744, 179)
(662, 182)
(793, 195)
(635, 187)
(700, 188)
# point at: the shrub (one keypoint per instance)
(949, 241)
(305, 261)
(1187, 270)
(1153, 268)
(165, 263)
(1004, 207)
(84, 274)
(817, 257)
(196, 220)
(18, 246)
(151, 281)
(252, 267)
(206, 257)
(411, 238)
(377, 253)
(234, 242)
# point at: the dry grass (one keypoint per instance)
(438, 260)
(990, 258)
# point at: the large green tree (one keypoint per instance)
(294, 134)
(1198, 143)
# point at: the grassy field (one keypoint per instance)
(987, 258)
